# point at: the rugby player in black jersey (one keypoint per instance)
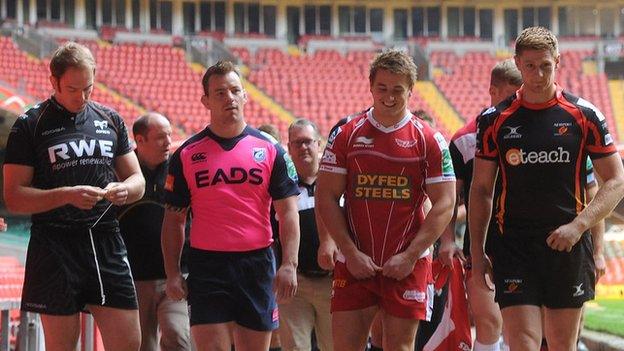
(68, 161)
(538, 140)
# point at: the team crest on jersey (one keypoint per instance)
(101, 127)
(259, 154)
(406, 143)
(608, 139)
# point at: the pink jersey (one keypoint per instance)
(386, 170)
(229, 185)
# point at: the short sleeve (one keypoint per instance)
(438, 158)
(334, 158)
(486, 138)
(177, 193)
(283, 181)
(599, 142)
(458, 161)
(20, 148)
(123, 143)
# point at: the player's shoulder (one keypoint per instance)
(346, 126)
(589, 110)
(107, 111)
(469, 128)
(266, 137)
(190, 143)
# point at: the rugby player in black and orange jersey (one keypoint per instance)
(67, 161)
(538, 140)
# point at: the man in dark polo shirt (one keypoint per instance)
(140, 225)
(309, 309)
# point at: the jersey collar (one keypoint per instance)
(392, 128)
(544, 105)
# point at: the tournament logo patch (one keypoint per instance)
(290, 168)
(259, 154)
(329, 158)
(332, 137)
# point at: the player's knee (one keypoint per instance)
(526, 339)
(561, 342)
(489, 323)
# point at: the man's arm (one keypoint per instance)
(172, 240)
(479, 213)
(20, 197)
(328, 251)
(610, 170)
(288, 214)
(442, 197)
(448, 248)
(132, 185)
(597, 232)
(330, 188)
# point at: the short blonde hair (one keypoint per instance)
(505, 72)
(537, 38)
(71, 55)
(394, 61)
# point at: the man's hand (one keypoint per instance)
(482, 272)
(601, 266)
(176, 287)
(285, 284)
(361, 266)
(326, 255)
(84, 197)
(117, 193)
(448, 251)
(398, 266)
(564, 237)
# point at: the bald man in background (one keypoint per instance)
(140, 225)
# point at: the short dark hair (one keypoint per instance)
(303, 122)
(220, 68)
(506, 72)
(71, 55)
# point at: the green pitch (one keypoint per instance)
(605, 315)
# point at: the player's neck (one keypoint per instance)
(388, 120)
(539, 97)
(227, 131)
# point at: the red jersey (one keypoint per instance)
(386, 171)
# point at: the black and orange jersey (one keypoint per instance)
(541, 151)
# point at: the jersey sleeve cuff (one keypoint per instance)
(332, 169)
(441, 179)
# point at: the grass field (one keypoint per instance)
(605, 315)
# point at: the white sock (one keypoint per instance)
(481, 347)
(503, 345)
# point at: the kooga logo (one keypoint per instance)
(198, 157)
(516, 157)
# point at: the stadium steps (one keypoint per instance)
(616, 92)
(121, 99)
(293, 50)
(434, 98)
(267, 102)
(589, 68)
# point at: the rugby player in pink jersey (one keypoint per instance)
(386, 162)
(227, 175)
